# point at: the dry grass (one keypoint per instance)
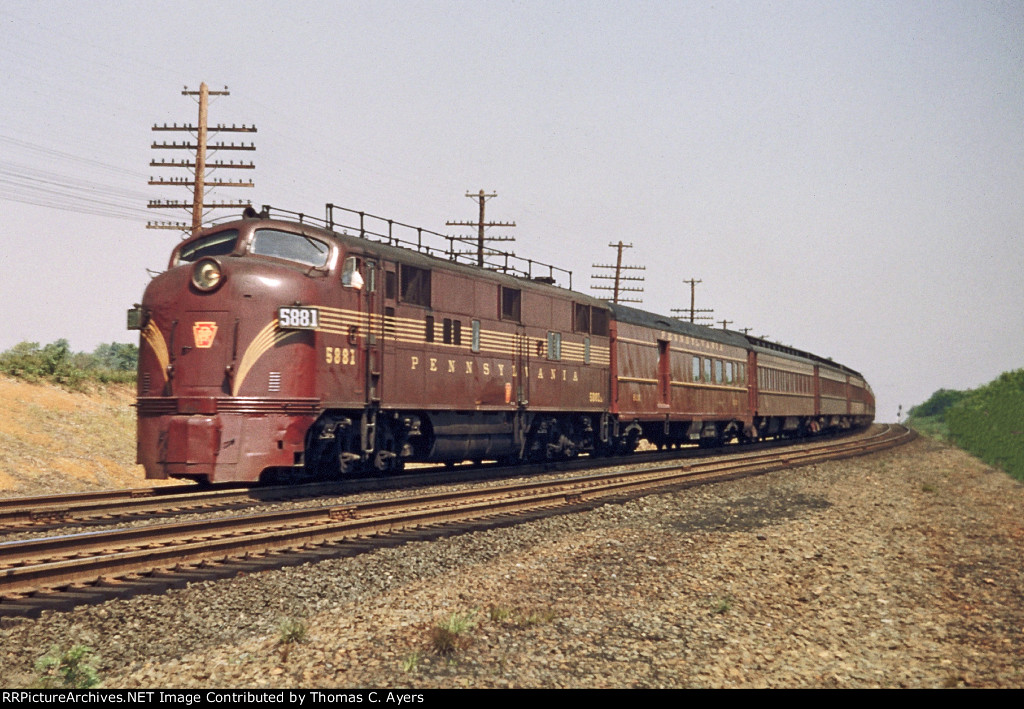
(54, 441)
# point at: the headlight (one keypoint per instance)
(207, 274)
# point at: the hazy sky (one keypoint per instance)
(845, 177)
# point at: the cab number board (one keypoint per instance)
(298, 318)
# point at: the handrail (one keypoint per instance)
(383, 230)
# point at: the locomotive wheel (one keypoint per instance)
(552, 443)
(385, 458)
(347, 458)
(385, 462)
(333, 453)
(348, 463)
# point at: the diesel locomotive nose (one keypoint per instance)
(218, 375)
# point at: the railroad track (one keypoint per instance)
(64, 571)
(109, 507)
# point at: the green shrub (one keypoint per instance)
(74, 669)
(989, 423)
(448, 636)
(56, 363)
(929, 418)
(291, 631)
(116, 357)
(938, 403)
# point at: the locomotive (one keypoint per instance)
(278, 345)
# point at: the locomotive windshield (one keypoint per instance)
(291, 247)
(220, 244)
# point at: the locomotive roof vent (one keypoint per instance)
(250, 213)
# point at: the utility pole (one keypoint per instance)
(725, 322)
(482, 224)
(693, 310)
(618, 278)
(199, 182)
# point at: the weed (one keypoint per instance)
(449, 636)
(411, 663)
(934, 426)
(520, 617)
(722, 605)
(928, 487)
(74, 669)
(444, 641)
(291, 631)
(536, 617)
(461, 622)
(499, 613)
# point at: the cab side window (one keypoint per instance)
(415, 285)
(350, 273)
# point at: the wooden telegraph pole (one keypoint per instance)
(617, 289)
(693, 310)
(200, 181)
(482, 224)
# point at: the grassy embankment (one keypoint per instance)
(987, 422)
(66, 419)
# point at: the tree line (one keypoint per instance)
(56, 363)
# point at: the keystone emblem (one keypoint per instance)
(204, 332)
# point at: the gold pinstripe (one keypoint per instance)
(698, 385)
(267, 338)
(337, 321)
(155, 339)
(693, 385)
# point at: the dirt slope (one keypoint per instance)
(54, 441)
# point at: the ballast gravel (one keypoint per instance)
(899, 569)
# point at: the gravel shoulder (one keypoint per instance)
(900, 569)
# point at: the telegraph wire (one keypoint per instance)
(59, 190)
(26, 175)
(54, 153)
